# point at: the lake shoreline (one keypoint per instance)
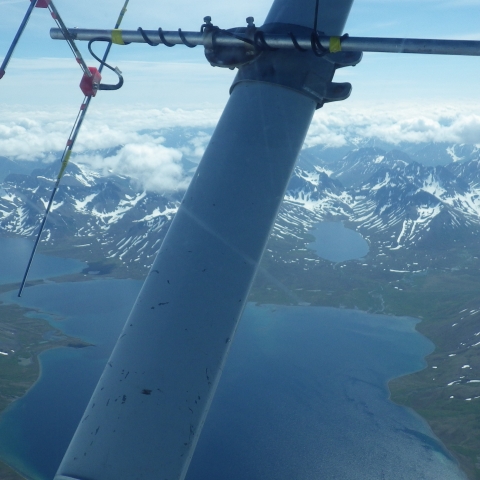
(258, 304)
(365, 301)
(7, 472)
(27, 374)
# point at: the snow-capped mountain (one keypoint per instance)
(359, 165)
(90, 211)
(392, 200)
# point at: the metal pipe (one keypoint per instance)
(134, 36)
(20, 30)
(411, 45)
(282, 41)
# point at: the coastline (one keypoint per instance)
(8, 473)
(452, 418)
(67, 339)
(43, 337)
(428, 297)
(436, 285)
(28, 343)
(22, 368)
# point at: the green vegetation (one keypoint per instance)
(23, 336)
(6, 473)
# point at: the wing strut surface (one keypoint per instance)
(148, 409)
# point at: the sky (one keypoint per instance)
(395, 97)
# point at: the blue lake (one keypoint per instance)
(35, 431)
(303, 395)
(335, 242)
(14, 255)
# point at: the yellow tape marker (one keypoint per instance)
(117, 37)
(64, 164)
(335, 45)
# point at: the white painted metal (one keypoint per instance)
(332, 15)
(148, 409)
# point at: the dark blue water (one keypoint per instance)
(336, 243)
(14, 255)
(303, 394)
(35, 431)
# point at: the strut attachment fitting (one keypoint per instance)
(303, 70)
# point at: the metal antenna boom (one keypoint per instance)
(331, 44)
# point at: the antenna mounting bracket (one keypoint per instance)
(227, 56)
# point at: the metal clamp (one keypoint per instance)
(230, 56)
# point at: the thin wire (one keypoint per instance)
(16, 39)
(315, 20)
(76, 53)
(184, 40)
(117, 24)
(65, 158)
(103, 63)
(68, 151)
(162, 38)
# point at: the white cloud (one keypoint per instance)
(136, 135)
(196, 146)
(323, 132)
(396, 124)
(153, 165)
(35, 134)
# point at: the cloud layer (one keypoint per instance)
(132, 142)
(395, 125)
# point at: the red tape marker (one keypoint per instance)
(41, 3)
(89, 85)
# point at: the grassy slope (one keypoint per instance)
(27, 337)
